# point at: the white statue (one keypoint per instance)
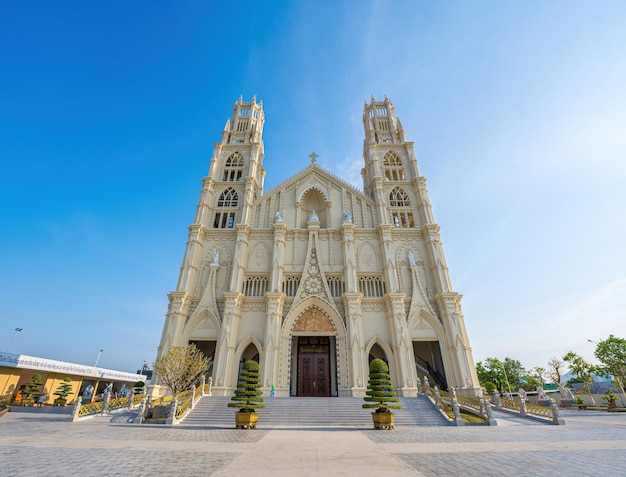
(541, 394)
(566, 393)
(216, 258)
(279, 216)
(411, 258)
(522, 394)
(347, 216)
(313, 217)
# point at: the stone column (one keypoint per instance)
(356, 347)
(273, 324)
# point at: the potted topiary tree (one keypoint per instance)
(247, 396)
(611, 399)
(63, 391)
(138, 387)
(379, 393)
(32, 390)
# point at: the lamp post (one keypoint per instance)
(17, 330)
(619, 382)
(98, 358)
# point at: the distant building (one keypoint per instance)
(315, 278)
(17, 369)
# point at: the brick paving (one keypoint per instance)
(44, 442)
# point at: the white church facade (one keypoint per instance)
(315, 278)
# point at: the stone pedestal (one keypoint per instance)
(565, 403)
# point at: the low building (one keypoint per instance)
(18, 369)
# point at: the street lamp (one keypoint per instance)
(98, 358)
(17, 330)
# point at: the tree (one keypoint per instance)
(380, 392)
(32, 390)
(247, 395)
(583, 370)
(555, 370)
(181, 367)
(611, 352)
(506, 375)
(535, 377)
(63, 391)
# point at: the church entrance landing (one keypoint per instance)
(313, 366)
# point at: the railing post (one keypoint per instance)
(202, 384)
(522, 405)
(193, 396)
(141, 412)
(105, 403)
(75, 411)
(210, 385)
(458, 420)
(437, 397)
(556, 418)
(496, 397)
(171, 419)
(490, 417)
(426, 384)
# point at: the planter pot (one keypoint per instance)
(27, 402)
(4, 411)
(246, 420)
(383, 420)
(60, 401)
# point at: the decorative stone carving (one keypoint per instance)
(314, 320)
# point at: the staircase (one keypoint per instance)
(213, 411)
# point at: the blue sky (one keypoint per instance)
(108, 114)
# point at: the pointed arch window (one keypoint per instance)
(228, 198)
(224, 218)
(233, 168)
(399, 198)
(400, 208)
(393, 168)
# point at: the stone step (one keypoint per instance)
(213, 411)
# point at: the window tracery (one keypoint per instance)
(392, 167)
(233, 168)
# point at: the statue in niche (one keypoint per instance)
(279, 216)
(314, 217)
(411, 258)
(216, 258)
(347, 216)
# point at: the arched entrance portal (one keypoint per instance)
(314, 359)
(313, 366)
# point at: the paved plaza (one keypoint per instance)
(43, 442)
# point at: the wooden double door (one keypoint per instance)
(313, 366)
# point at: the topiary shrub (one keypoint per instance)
(490, 387)
(32, 390)
(611, 399)
(63, 391)
(247, 395)
(379, 389)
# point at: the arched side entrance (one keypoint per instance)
(378, 348)
(427, 335)
(248, 349)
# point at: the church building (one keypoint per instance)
(315, 278)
